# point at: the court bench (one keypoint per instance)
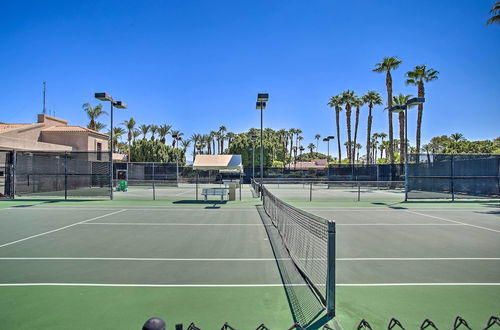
(214, 192)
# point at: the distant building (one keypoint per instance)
(313, 164)
(51, 134)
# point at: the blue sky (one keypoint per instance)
(199, 64)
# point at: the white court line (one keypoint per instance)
(142, 259)
(171, 224)
(454, 221)
(247, 259)
(399, 224)
(58, 229)
(239, 285)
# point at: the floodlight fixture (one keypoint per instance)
(264, 97)
(326, 139)
(103, 97)
(254, 137)
(397, 108)
(260, 105)
(120, 105)
(415, 101)
(331, 137)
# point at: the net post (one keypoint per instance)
(359, 191)
(452, 179)
(13, 173)
(154, 192)
(310, 191)
(330, 285)
(197, 174)
(65, 175)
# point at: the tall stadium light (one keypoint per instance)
(262, 99)
(327, 140)
(114, 104)
(175, 137)
(254, 137)
(404, 108)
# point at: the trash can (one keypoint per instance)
(232, 191)
(123, 185)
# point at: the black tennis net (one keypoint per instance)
(310, 242)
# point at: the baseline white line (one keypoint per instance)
(154, 285)
(170, 224)
(454, 221)
(142, 259)
(58, 229)
(239, 285)
(413, 259)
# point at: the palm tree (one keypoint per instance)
(135, 134)
(336, 102)
(291, 133)
(93, 113)
(388, 64)
(358, 147)
(371, 98)
(317, 137)
(185, 144)
(311, 148)
(153, 128)
(213, 137)
(495, 11)
(117, 134)
(457, 137)
(144, 130)
(221, 132)
(195, 138)
(130, 126)
(99, 126)
(382, 136)
(230, 136)
(358, 103)
(418, 77)
(163, 131)
(401, 100)
(176, 136)
(348, 100)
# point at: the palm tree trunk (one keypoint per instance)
(349, 142)
(421, 93)
(369, 133)
(401, 137)
(388, 83)
(337, 121)
(356, 123)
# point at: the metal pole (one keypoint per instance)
(452, 179)
(111, 154)
(328, 160)
(261, 144)
(330, 285)
(197, 185)
(154, 191)
(177, 167)
(359, 191)
(65, 175)
(14, 168)
(310, 191)
(406, 154)
(253, 160)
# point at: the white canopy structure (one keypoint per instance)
(221, 163)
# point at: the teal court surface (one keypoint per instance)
(113, 264)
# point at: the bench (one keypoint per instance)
(214, 192)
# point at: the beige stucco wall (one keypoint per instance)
(78, 141)
(9, 143)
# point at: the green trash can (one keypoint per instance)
(123, 185)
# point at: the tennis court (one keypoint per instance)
(113, 264)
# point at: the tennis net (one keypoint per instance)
(310, 242)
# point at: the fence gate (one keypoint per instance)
(6, 174)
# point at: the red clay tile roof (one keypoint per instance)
(72, 129)
(9, 126)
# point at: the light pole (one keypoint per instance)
(262, 99)
(175, 136)
(327, 140)
(398, 108)
(119, 105)
(254, 137)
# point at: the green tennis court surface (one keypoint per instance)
(113, 264)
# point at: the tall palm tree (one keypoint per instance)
(130, 126)
(176, 136)
(317, 137)
(117, 134)
(292, 133)
(144, 130)
(388, 64)
(457, 137)
(185, 144)
(99, 126)
(135, 134)
(336, 103)
(401, 100)
(358, 103)
(348, 100)
(163, 131)
(195, 138)
(371, 98)
(230, 136)
(418, 77)
(93, 113)
(221, 132)
(358, 147)
(495, 12)
(311, 148)
(383, 136)
(153, 129)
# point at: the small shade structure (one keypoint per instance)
(221, 163)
